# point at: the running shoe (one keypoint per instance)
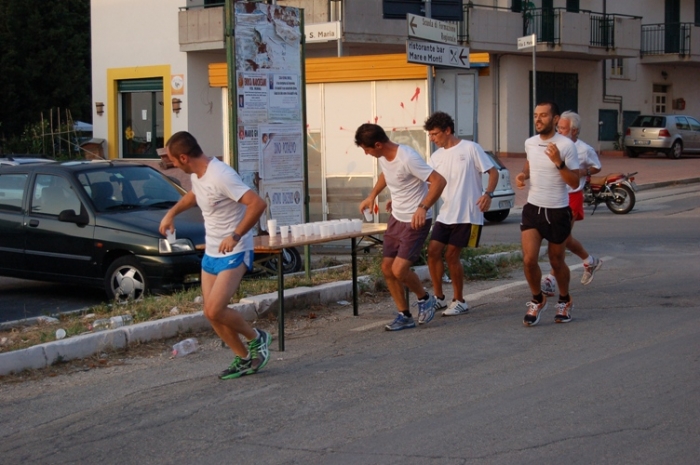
(238, 368)
(440, 303)
(426, 310)
(534, 311)
(549, 285)
(564, 312)
(588, 270)
(401, 322)
(259, 349)
(456, 308)
(446, 279)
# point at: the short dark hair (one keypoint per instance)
(183, 143)
(552, 106)
(369, 134)
(440, 120)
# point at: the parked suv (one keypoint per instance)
(671, 134)
(96, 223)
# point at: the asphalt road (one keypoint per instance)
(618, 384)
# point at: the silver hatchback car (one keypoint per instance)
(670, 134)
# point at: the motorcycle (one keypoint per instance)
(616, 190)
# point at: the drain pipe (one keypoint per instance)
(617, 99)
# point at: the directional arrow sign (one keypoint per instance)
(429, 53)
(431, 29)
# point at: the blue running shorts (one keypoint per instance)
(215, 265)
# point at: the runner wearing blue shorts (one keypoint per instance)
(230, 210)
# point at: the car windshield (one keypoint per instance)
(128, 187)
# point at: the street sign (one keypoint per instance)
(322, 32)
(527, 41)
(430, 53)
(420, 27)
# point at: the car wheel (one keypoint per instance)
(496, 216)
(676, 150)
(125, 280)
(632, 153)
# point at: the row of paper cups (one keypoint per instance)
(318, 228)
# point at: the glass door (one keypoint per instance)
(141, 117)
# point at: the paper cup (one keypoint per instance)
(308, 229)
(369, 217)
(170, 236)
(284, 231)
(272, 227)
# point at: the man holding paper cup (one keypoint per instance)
(230, 209)
(414, 188)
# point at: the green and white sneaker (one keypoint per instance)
(259, 349)
(238, 368)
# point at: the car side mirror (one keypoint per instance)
(69, 216)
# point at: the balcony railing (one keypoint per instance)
(669, 38)
(546, 24)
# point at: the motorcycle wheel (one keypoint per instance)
(291, 261)
(622, 201)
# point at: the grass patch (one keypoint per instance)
(151, 308)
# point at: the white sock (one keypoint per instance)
(589, 260)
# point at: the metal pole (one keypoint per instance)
(431, 106)
(231, 82)
(534, 79)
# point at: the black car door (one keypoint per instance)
(59, 250)
(12, 188)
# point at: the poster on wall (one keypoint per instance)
(268, 37)
(252, 97)
(285, 98)
(281, 152)
(269, 107)
(284, 202)
(248, 144)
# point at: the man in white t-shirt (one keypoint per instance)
(230, 210)
(461, 163)
(551, 165)
(414, 188)
(569, 125)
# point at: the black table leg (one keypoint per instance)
(280, 301)
(354, 276)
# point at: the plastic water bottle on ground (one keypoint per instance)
(111, 323)
(185, 347)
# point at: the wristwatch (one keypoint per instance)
(562, 166)
(490, 194)
(236, 237)
(424, 207)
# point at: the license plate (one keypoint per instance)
(504, 204)
(642, 142)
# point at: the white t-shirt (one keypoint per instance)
(587, 158)
(405, 177)
(461, 166)
(217, 193)
(547, 187)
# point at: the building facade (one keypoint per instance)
(158, 67)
